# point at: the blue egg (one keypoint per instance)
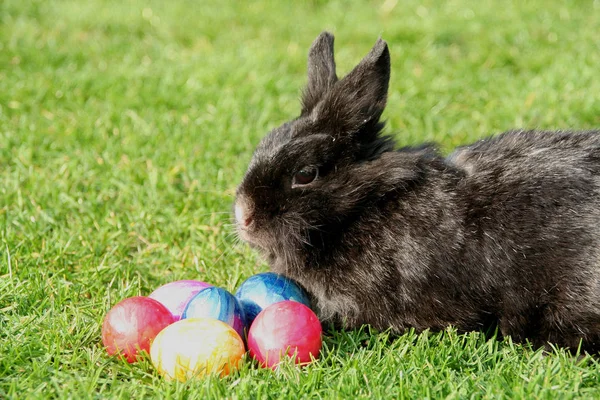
(217, 303)
(261, 290)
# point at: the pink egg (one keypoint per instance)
(285, 329)
(176, 295)
(132, 324)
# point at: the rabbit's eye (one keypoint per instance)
(305, 176)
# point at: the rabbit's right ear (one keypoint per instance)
(321, 71)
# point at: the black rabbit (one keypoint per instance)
(505, 231)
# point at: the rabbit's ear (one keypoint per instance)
(321, 71)
(359, 98)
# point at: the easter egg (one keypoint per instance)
(218, 303)
(131, 325)
(261, 290)
(176, 295)
(196, 347)
(285, 329)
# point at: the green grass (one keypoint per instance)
(125, 127)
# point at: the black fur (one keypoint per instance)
(505, 231)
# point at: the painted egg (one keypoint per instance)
(218, 303)
(131, 325)
(261, 290)
(196, 347)
(285, 329)
(176, 295)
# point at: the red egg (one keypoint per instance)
(285, 329)
(132, 324)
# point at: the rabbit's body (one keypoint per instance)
(505, 231)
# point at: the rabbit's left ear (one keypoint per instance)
(359, 98)
(321, 71)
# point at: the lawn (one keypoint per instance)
(125, 127)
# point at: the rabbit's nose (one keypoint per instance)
(243, 215)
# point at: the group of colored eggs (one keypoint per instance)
(191, 328)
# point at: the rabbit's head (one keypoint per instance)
(310, 176)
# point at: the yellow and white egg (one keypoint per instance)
(196, 347)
